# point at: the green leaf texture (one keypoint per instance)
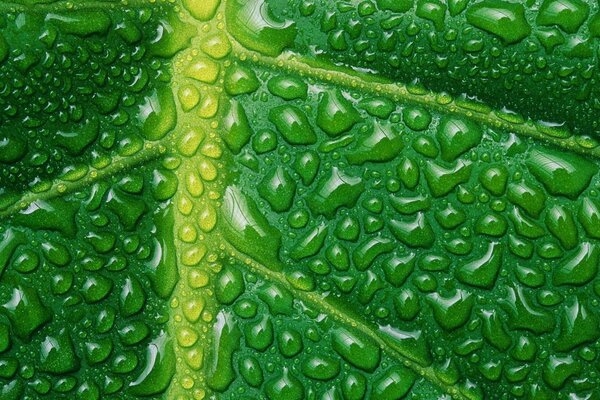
(299, 199)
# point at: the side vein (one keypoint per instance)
(63, 5)
(151, 151)
(317, 301)
(353, 80)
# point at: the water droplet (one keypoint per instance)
(288, 87)
(589, 217)
(578, 325)
(310, 243)
(81, 22)
(569, 15)
(278, 188)
(482, 271)
(393, 384)
(321, 367)
(157, 113)
(561, 173)
(414, 232)
(579, 268)
(247, 229)
(504, 19)
(453, 311)
(442, 180)
(289, 342)
(203, 70)
(158, 369)
(382, 143)
(252, 24)
(293, 125)
(251, 371)
(202, 10)
(359, 351)
(12, 149)
(57, 355)
(456, 136)
(286, 386)
(229, 285)
(237, 131)
(240, 80)
(333, 191)
(259, 335)
(336, 114)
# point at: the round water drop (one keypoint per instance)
(240, 80)
(192, 309)
(348, 228)
(186, 337)
(416, 118)
(307, 166)
(56, 253)
(105, 320)
(26, 261)
(12, 149)
(293, 124)
(433, 10)
(321, 367)
(359, 351)
(494, 179)
(158, 113)
(251, 371)
(96, 287)
(354, 386)
(264, 141)
(426, 146)
(298, 219)
(62, 281)
(88, 391)
(380, 107)
(259, 336)
(217, 46)
(289, 342)
(98, 351)
(188, 96)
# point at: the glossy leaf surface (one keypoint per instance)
(271, 199)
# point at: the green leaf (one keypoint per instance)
(298, 199)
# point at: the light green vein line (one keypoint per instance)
(151, 151)
(353, 80)
(317, 301)
(71, 5)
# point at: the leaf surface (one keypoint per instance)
(247, 198)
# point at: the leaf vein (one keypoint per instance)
(346, 320)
